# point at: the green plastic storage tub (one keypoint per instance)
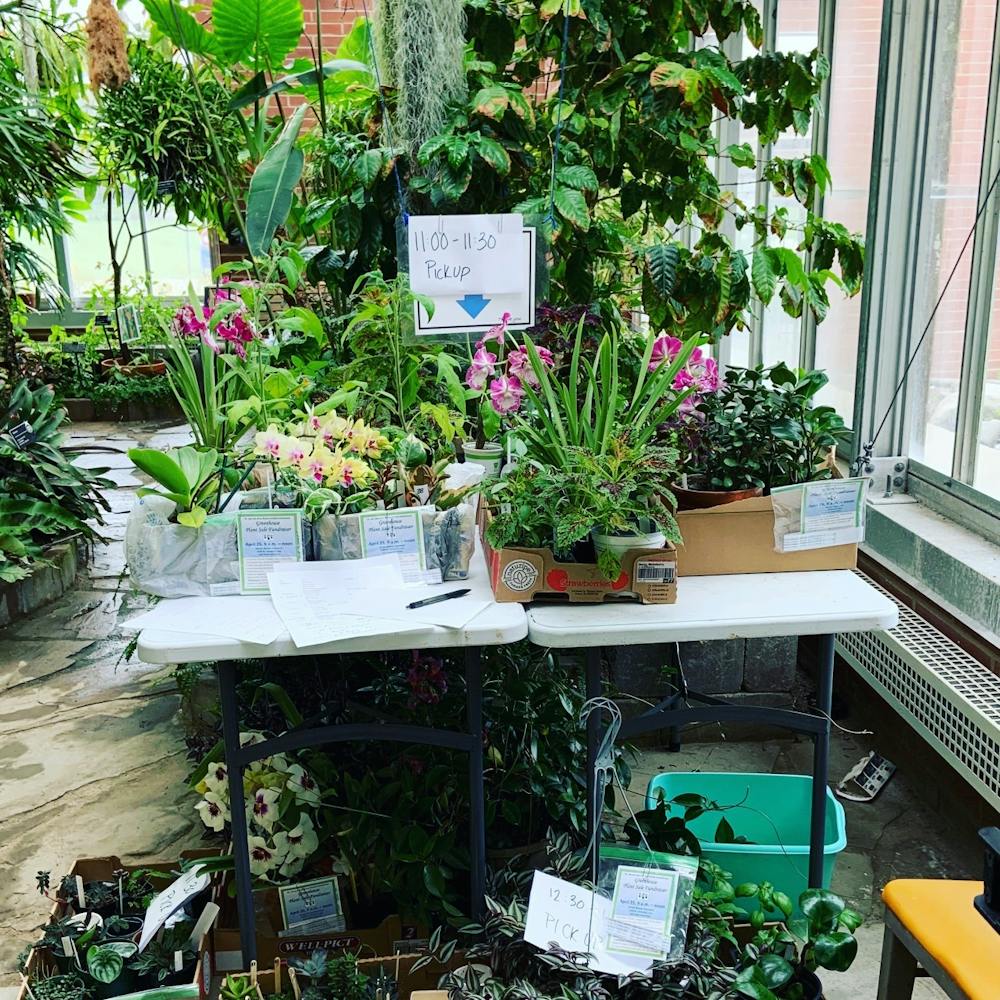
(773, 812)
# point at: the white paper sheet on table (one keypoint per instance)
(454, 613)
(332, 603)
(249, 619)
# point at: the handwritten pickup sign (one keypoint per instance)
(465, 254)
(578, 920)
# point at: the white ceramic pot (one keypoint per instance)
(490, 457)
(620, 544)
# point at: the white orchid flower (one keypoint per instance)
(306, 790)
(263, 856)
(217, 780)
(265, 807)
(213, 811)
(299, 842)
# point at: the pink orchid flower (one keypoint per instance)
(480, 370)
(519, 364)
(497, 332)
(506, 394)
(665, 348)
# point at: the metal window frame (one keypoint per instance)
(895, 301)
(981, 287)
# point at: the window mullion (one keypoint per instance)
(820, 146)
(981, 286)
(761, 191)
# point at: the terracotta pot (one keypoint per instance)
(149, 368)
(694, 499)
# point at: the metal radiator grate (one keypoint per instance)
(949, 697)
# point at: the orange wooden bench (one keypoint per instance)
(932, 928)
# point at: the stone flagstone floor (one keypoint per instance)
(91, 749)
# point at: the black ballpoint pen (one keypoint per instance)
(439, 597)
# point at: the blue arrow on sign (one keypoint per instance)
(473, 304)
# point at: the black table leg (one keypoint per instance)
(237, 809)
(594, 688)
(821, 762)
(477, 795)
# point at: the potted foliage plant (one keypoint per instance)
(759, 429)
(590, 452)
(174, 544)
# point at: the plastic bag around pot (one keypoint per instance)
(449, 539)
(173, 560)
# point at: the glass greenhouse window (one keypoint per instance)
(953, 160)
(853, 86)
(987, 477)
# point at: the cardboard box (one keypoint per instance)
(41, 962)
(527, 574)
(738, 537)
(389, 937)
(399, 967)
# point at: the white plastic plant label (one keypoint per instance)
(818, 515)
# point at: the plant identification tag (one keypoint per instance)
(67, 946)
(203, 923)
(459, 254)
(396, 532)
(818, 515)
(642, 910)
(312, 906)
(81, 896)
(23, 434)
(266, 538)
(171, 899)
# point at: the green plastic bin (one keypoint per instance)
(774, 813)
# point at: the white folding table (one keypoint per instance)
(742, 606)
(496, 625)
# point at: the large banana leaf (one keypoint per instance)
(259, 32)
(257, 88)
(181, 27)
(270, 196)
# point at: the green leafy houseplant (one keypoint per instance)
(597, 401)
(104, 965)
(761, 429)
(61, 987)
(781, 962)
(156, 964)
(45, 497)
(187, 477)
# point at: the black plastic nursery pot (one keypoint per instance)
(131, 929)
(810, 983)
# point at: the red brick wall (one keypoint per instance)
(336, 18)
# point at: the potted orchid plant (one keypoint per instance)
(282, 800)
(496, 380)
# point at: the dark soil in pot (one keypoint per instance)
(692, 497)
